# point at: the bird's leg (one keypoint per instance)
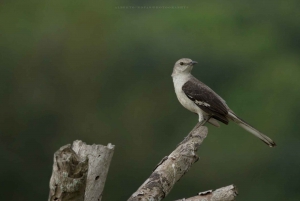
(202, 121)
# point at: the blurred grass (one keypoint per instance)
(87, 70)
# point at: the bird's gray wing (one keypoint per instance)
(206, 99)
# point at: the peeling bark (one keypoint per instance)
(69, 175)
(79, 172)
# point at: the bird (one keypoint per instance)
(202, 100)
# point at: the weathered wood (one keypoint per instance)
(227, 193)
(79, 172)
(172, 168)
(69, 175)
(99, 160)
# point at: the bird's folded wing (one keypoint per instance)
(206, 99)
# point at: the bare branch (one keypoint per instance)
(172, 168)
(227, 193)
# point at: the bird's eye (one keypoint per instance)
(181, 63)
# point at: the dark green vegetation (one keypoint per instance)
(85, 70)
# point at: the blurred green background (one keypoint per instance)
(94, 71)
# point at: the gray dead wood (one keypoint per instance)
(227, 193)
(68, 178)
(172, 167)
(79, 172)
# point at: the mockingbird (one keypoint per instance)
(202, 100)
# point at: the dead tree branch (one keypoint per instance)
(79, 172)
(227, 193)
(171, 168)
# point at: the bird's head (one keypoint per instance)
(183, 66)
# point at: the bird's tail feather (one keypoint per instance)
(251, 129)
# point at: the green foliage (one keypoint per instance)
(91, 71)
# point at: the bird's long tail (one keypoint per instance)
(250, 129)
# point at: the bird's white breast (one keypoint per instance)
(179, 81)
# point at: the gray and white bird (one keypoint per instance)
(202, 100)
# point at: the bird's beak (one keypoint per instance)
(193, 63)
